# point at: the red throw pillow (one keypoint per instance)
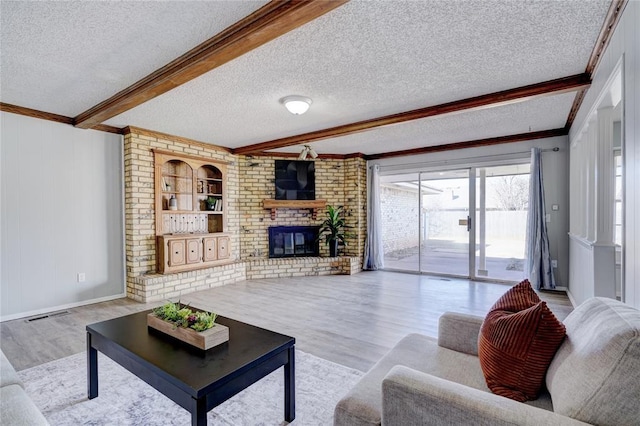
(517, 341)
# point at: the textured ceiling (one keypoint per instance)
(360, 61)
(539, 114)
(65, 57)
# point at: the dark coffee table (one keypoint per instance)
(196, 380)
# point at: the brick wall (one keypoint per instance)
(140, 243)
(249, 181)
(355, 193)
(302, 267)
(340, 182)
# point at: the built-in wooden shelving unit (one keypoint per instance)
(190, 195)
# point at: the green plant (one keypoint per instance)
(211, 202)
(333, 228)
(182, 316)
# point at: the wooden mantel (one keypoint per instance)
(312, 205)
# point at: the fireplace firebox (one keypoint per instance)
(293, 241)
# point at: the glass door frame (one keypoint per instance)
(472, 214)
(470, 179)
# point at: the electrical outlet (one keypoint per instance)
(82, 277)
(554, 263)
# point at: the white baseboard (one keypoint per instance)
(572, 299)
(60, 307)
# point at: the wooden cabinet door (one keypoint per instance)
(176, 252)
(193, 250)
(224, 251)
(210, 249)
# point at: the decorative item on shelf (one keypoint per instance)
(211, 203)
(173, 203)
(333, 228)
(200, 186)
(190, 325)
(211, 188)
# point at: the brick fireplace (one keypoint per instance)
(293, 241)
(250, 182)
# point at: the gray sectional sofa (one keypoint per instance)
(16, 408)
(594, 377)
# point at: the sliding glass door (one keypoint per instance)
(445, 222)
(428, 226)
(502, 195)
(425, 222)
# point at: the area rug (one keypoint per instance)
(59, 389)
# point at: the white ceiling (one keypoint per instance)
(65, 57)
(360, 61)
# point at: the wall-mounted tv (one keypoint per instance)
(295, 180)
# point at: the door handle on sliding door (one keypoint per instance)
(465, 222)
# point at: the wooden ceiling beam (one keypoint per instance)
(267, 23)
(16, 109)
(472, 144)
(519, 94)
(43, 115)
(606, 32)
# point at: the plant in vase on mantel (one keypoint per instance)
(334, 229)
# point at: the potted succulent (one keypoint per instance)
(333, 228)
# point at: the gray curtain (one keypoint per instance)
(538, 265)
(373, 254)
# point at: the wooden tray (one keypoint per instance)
(207, 339)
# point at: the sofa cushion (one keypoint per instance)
(362, 404)
(8, 375)
(16, 408)
(518, 339)
(595, 375)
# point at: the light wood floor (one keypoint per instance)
(351, 320)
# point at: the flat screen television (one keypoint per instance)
(295, 180)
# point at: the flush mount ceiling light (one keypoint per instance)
(296, 105)
(307, 151)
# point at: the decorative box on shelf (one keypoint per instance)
(206, 339)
